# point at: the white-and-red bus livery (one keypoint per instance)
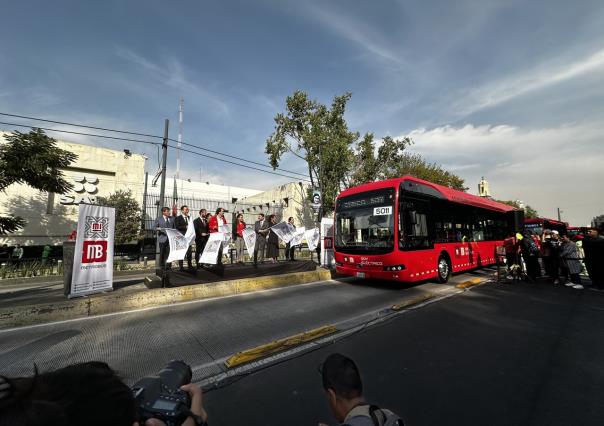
(409, 229)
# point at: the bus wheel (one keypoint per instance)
(444, 270)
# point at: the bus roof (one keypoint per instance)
(452, 195)
(544, 219)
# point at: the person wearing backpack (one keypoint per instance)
(344, 391)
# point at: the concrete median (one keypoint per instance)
(120, 301)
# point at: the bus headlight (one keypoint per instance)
(394, 268)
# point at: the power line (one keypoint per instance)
(81, 133)
(80, 125)
(237, 164)
(125, 139)
(236, 158)
(302, 176)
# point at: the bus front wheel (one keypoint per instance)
(444, 269)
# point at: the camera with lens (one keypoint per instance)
(160, 396)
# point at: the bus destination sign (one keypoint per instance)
(366, 200)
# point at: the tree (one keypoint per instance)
(127, 216)
(529, 212)
(365, 166)
(393, 161)
(319, 136)
(32, 159)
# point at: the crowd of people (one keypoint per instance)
(558, 257)
(92, 394)
(266, 246)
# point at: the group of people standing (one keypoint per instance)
(562, 258)
(267, 242)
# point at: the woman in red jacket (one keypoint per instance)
(215, 225)
(239, 242)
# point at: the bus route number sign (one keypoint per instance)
(382, 211)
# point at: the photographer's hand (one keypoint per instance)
(196, 395)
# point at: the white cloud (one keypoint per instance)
(172, 76)
(353, 30)
(540, 77)
(546, 168)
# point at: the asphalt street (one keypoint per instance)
(203, 333)
(498, 354)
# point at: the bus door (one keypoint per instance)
(415, 223)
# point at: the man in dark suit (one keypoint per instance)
(181, 223)
(161, 223)
(202, 233)
(262, 229)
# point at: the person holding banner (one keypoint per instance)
(162, 223)
(217, 221)
(239, 241)
(289, 248)
(261, 228)
(215, 225)
(202, 234)
(181, 223)
(272, 243)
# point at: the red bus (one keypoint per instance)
(537, 224)
(408, 229)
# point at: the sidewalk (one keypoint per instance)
(35, 304)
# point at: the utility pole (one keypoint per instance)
(559, 216)
(159, 269)
(181, 106)
(144, 215)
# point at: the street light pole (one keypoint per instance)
(159, 269)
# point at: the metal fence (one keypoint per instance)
(250, 211)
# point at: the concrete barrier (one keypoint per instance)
(120, 301)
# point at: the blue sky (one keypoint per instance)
(509, 90)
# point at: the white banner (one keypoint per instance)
(210, 252)
(249, 236)
(93, 257)
(227, 235)
(284, 231)
(298, 237)
(179, 244)
(312, 238)
(190, 234)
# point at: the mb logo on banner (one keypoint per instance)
(93, 258)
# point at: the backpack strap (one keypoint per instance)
(372, 412)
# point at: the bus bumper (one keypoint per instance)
(373, 273)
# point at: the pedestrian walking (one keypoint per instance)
(569, 256)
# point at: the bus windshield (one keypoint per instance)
(365, 222)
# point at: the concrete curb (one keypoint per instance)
(471, 283)
(415, 301)
(280, 345)
(122, 302)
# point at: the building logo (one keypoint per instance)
(85, 186)
(96, 228)
(94, 251)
